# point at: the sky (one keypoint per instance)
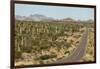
(56, 12)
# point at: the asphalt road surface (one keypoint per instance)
(77, 53)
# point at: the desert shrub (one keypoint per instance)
(68, 45)
(43, 47)
(77, 42)
(26, 49)
(44, 57)
(71, 41)
(18, 54)
(66, 52)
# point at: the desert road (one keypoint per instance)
(77, 53)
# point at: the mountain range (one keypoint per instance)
(39, 17)
(35, 17)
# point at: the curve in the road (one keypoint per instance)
(78, 53)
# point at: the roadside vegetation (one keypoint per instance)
(89, 56)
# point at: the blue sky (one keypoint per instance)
(55, 11)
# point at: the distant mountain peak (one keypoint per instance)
(34, 17)
(68, 19)
(37, 15)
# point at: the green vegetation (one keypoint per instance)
(46, 40)
(44, 57)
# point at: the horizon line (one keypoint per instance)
(55, 18)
